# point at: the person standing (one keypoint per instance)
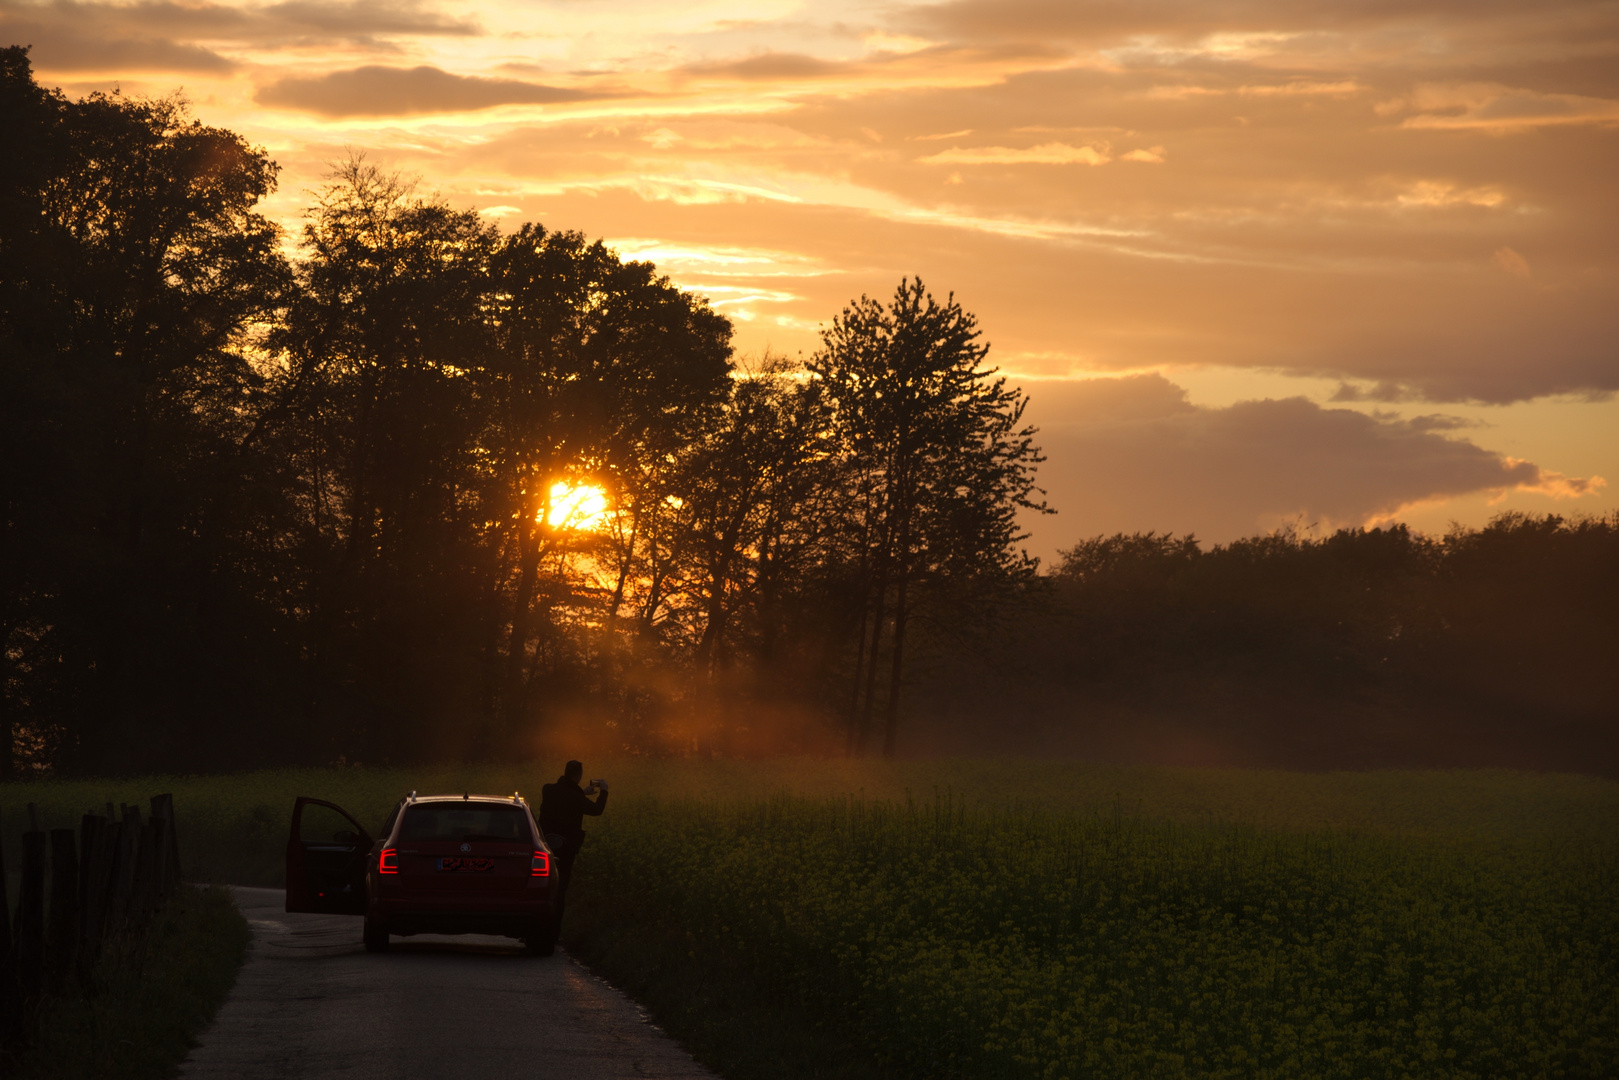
(563, 806)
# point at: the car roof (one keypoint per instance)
(504, 800)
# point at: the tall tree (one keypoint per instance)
(382, 380)
(135, 280)
(947, 464)
(751, 512)
(601, 370)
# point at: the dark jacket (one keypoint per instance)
(563, 806)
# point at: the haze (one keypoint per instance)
(1331, 265)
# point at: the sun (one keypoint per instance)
(582, 507)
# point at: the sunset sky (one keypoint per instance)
(1254, 262)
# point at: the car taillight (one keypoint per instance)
(388, 863)
(540, 865)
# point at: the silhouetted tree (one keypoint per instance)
(135, 281)
(602, 371)
(381, 369)
(946, 464)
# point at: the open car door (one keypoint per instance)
(326, 855)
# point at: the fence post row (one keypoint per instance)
(105, 881)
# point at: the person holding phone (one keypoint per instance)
(563, 806)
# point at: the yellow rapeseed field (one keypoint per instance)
(1050, 920)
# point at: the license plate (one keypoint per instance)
(466, 865)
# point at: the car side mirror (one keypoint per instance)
(346, 836)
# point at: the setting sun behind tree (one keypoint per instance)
(582, 507)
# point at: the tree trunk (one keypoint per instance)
(880, 553)
(767, 590)
(528, 561)
(722, 559)
(891, 724)
(901, 614)
(869, 708)
(853, 747)
(626, 558)
(8, 738)
(719, 573)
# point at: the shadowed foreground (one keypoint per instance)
(310, 1003)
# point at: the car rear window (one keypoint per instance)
(459, 821)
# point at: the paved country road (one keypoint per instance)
(311, 1003)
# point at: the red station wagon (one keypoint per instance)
(446, 864)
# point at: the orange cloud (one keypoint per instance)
(1510, 262)
(1553, 484)
(1288, 89)
(1502, 110)
(1133, 453)
(1045, 154)
(385, 91)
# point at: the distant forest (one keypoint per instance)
(411, 487)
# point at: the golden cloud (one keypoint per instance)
(1052, 153)
(1500, 110)
(1132, 452)
(386, 91)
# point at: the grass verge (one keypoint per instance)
(148, 1000)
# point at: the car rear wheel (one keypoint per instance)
(376, 938)
(542, 938)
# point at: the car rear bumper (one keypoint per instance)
(407, 907)
(503, 923)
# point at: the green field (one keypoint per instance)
(1018, 919)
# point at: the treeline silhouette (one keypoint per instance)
(1493, 646)
(263, 507)
(413, 487)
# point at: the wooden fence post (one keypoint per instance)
(31, 917)
(10, 1006)
(163, 807)
(124, 871)
(157, 825)
(140, 891)
(95, 881)
(114, 834)
(62, 928)
(174, 842)
(89, 832)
